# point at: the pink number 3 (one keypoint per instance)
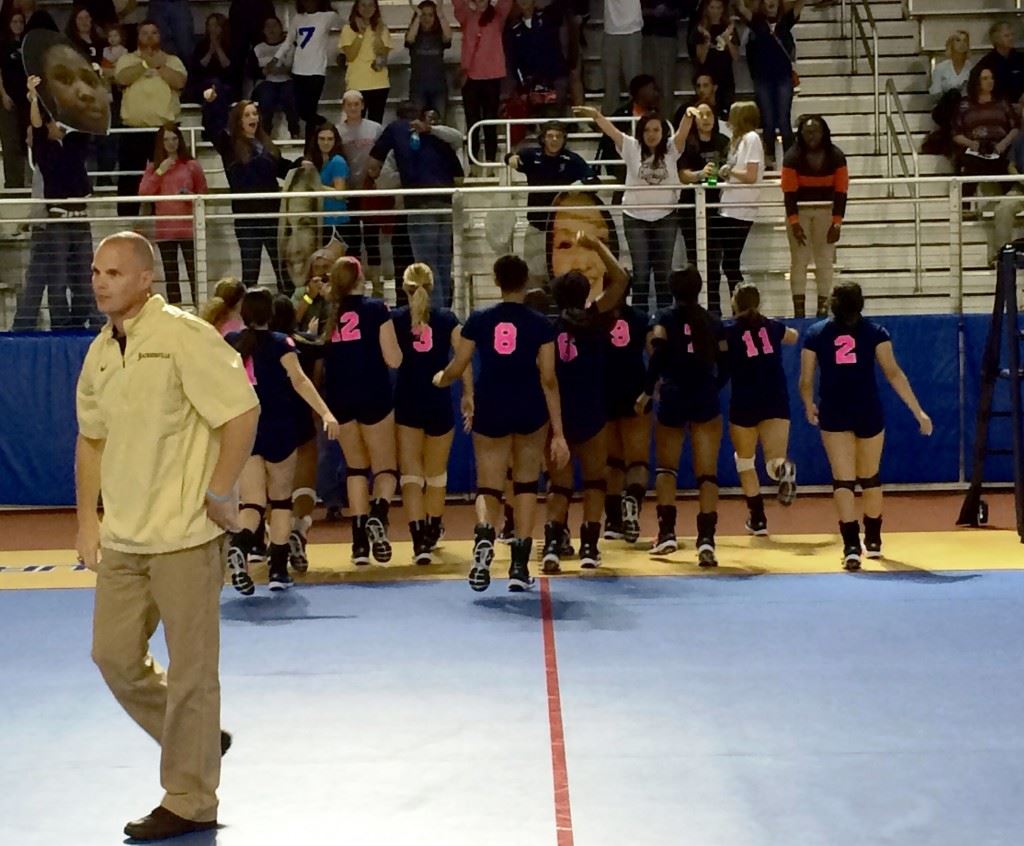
(423, 339)
(348, 329)
(620, 333)
(505, 338)
(566, 347)
(846, 349)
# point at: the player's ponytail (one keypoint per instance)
(686, 286)
(226, 297)
(345, 277)
(746, 302)
(257, 312)
(418, 283)
(847, 303)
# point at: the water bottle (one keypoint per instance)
(414, 140)
(712, 180)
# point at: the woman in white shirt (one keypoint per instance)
(652, 158)
(309, 38)
(743, 169)
(952, 73)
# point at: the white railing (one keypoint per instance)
(894, 136)
(861, 14)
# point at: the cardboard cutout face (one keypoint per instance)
(71, 90)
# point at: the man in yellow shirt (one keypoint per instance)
(166, 419)
(152, 81)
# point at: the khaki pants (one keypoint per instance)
(1004, 221)
(816, 221)
(180, 708)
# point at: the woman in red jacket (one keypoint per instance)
(173, 172)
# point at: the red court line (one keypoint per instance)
(563, 813)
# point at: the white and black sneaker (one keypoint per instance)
(360, 541)
(483, 555)
(706, 552)
(787, 483)
(630, 519)
(666, 542)
(240, 578)
(757, 525)
(279, 578)
(519, 578)
(551, 554)
(851, 558)
(590, 555)
(377, 531)
(297, 551)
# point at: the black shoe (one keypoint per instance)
(551, 554)
(706, 552)
(240, 578)
(278, 577)
(630, 519)
(590, 555)
(258, 550)
(420, 543)
(333, 514)
(360, 541)
(787, 483)
(161, 824)
(613, 530)
(873, 537)
(873, 548)
(377, 529)
(851, 558)
(483, 555)
(297, 551)
(613, 517)
(757, 525)
(435, 532)
(508, 530)
(519, 578)
(666, 542)
(225, 742)
(565, 550)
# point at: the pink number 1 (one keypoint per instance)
(505, 338)
(620, 333)
(766, 343)
(846, 350)
(566, 347)
(423, 339)
(349, 330)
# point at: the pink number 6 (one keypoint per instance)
(423, 339)
(566, 347)
(505, 338)
(846, 349)
(620, 333)
(349, 328)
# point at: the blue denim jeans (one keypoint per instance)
(431, 237)
(651, 244)
(274, 97)
(177, 29)
(60, 264)
(775, 100)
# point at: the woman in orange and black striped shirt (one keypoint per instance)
(815, 182)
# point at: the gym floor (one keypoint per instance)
(776, 700)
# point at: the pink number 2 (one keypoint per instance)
(566, 347)
(423, 339)
(766, 343)
(620, 333)
(846, 349)
(349, 328)
(505, 338)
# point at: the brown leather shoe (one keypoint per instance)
(161, 824)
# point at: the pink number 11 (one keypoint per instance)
(766, 343)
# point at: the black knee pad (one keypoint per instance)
(280, 504)
(617, 464)
(494, 492)
(527, 487)
(595, 484)
(358, 471)
(869, 482)
(559, 490)
(508, 474)
(707, 480)
(252, 506)
(844, 485)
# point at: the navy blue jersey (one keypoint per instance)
(425, 351)
(846, 359)
(508, 337)
(624, 364)
(355, 374)
(580, 364)
(689, 364)
(755, 364)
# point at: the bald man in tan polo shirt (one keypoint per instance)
(166, 419)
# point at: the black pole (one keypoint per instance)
(1008, 282)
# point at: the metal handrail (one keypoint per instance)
(870, 51)
(892, 142)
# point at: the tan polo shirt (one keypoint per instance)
(149, 101)
(158, 406)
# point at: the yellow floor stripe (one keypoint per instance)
(783, 554)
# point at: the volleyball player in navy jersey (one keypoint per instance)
(759, 405)
(581, 355)
(687, 359)
(629, 431)
(360, 347)
(516, 398)
(845, 348)
(273, 367)
(304, 483)
(423, 414)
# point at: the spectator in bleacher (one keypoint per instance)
(174, 173)
(114, 50)
(104, 14)
(61, 257)
(661, 43)
(706, 150)
(152, 80)
(307, 44)
(358, 136)
(1005, 218)
(621, 48)
(83, 32)
(253, 165)
(428, 36)
(14, 121)
(424, 160)
(744, 167)
(705, 92)
(276, 91)
(36, 18)
(949, 84)
(246, 22)
(652, 159)
(644, 97)
(713, 47)
(174, 17)
(814, 171)
(533, 43)
(1005, 62)
(483, 68)
(770, 54)
(552, 163)
(366, 42)
(327, 154)
(985, 127)
(211, 63)
(310, 300)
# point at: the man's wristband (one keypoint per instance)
(210, 495)
(307, 299)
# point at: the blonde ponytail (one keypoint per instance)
(418, 282)
(227, 296)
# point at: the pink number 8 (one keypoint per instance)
(566, 347)
(423, 339)
(620, 333)
(846, 349)
(505, 338)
